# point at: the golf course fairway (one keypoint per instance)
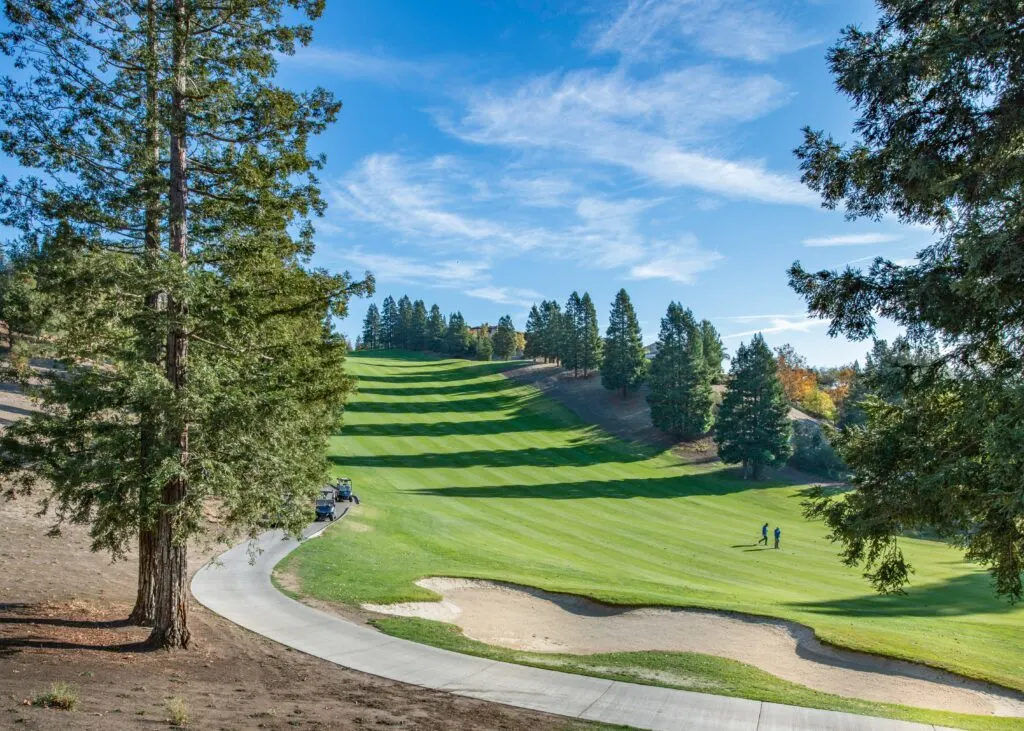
(464, 473)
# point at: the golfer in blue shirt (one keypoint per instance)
(778, 535)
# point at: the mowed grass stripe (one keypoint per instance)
(466, 473)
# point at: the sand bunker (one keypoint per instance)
(523, 618)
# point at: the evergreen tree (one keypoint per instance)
(389, 324)
(534, 334)
(404, 335)
(590, 336)
(458, 338)
(505, 338)
(753, 423)
(714, 351)
(624, 364)
(436, 329)
(551, 331)
(371, 328)
(680, 395)
(570, 344)
(23, 306)
(418, 334)
(177, 267)
(483, 347)
(937, 88)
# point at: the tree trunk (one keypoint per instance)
(171, 628)
(624, 394)
(144, 612)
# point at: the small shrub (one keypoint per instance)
(178, 712)
(61, 695)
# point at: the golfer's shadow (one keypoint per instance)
(748, 547)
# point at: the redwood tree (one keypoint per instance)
(193, 291)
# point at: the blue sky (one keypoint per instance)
(492, 153)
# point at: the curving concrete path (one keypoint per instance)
(242, 592)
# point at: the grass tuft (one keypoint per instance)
(177, 711)
(61, 695)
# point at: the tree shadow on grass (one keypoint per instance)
(961, 595)
(450, 428)
(590, 454)
(495, 387)
(432, 374)
(651, 487)
(497, 402)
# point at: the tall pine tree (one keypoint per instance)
(418, 334)
(534, 334)
(570, 327)
(551, 331)
(680, 394)
(389, 324)
(505, 338)
(589, 336)
(436, 327)
(624, 365)
(404, 334)
(714, 351)
(371, 328)
(753, 426)
(181, 256)
(458, 339)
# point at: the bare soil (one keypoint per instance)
(525, 618)
(62, 610)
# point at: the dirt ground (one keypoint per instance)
(525, 618)
(61, 619)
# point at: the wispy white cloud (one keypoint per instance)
(425, 204)
(652, 30)
(543, 190)
(660, 128)
(506, 295)
(417, 201)
(390, 269)
(774, 324)
(365, 66)
(678, 262)
(852, 240)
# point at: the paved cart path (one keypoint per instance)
(242, 592)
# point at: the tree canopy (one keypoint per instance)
(937, 89)
(505, 338)
(680, 394)
(753, 426)
(624, 365)
(171, 197)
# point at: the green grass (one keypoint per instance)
(465, 473)
(687, 670)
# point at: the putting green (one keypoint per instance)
(465, 473)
